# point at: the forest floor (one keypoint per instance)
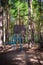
(17, 56)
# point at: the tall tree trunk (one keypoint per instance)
(7, 22)
(1, 25)
(39, 32)
(31, 31)
(29, 23)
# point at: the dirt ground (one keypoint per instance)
(18, 56)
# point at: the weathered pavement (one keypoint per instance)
(24, 57)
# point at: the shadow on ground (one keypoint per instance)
(19, 56)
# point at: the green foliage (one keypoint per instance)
(37, 17)
(23, 8)
(15, 6)
(36, 38)
(37, 13)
